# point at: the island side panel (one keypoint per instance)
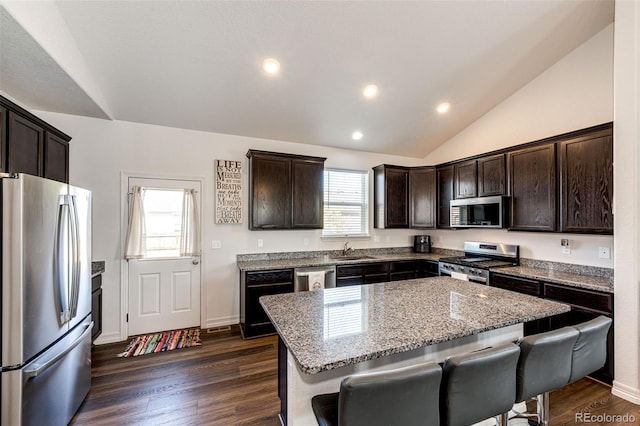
(301, 387)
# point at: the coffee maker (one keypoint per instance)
(422, 243)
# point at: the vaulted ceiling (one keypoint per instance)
(197, 64)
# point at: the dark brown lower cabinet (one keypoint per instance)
(363, 273)
(96, 306)
(253, 319)
(585, 305)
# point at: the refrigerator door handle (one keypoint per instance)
(34, 372)
(61, 256)
(75, 256)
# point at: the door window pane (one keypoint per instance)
(163, 221)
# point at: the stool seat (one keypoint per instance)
(478, 385)
(404, 397)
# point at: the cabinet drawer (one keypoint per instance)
(361, 269)
(594, 300)
(404, 266)
(376, 278)
(270, 277)
(344, 282)
(521, 285)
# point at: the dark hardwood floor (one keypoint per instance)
(231, 381)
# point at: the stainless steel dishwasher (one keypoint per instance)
(301, 276)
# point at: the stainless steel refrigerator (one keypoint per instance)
(46, 300)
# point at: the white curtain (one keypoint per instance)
(135, 246)
(190, 235)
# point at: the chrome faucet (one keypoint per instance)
(346, 249)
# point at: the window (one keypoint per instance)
(346, 203)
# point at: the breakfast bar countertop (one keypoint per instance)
(332, 328)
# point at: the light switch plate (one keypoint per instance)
(216, 244)
(305, 241)
(260, 242)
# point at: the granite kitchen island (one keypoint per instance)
(330, 334)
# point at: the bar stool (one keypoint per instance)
(403, 396)
(478, 385)
(590, 350)
(544, 365)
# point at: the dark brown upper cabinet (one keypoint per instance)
(56, 158)
(391, 196)
(422, 197)
(285, 191)
(444, 181)
(491, 176)
(308, 193)
(532, 184)
(24, 146)
(466, 179)
(30, 145)
(586, 183)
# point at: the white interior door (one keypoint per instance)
(164, 287)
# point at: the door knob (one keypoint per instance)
(195, 261)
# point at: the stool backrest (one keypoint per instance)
(404, 396)
(478, 385)
(590, 349)
(545, 362)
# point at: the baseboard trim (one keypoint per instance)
(626, 392)
(106, 338)
(221, 322)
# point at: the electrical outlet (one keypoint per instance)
(305, 241)
(566, 250)
(604, 252)
(216, 244)
(260, 242)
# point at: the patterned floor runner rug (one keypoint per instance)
(161, 342)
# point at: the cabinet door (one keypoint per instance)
(24, 146)
(422, 197)
(466, 179)
(3, 138)
(445, 195)
(520, 285)
(270, 198)
(586, 184)
(396, 198)
(56, 158)
(308, 192)
(491, 176)
(532, 183)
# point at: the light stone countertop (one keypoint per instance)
(331, 328)
(263, 265)
(588, 282)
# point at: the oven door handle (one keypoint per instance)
(477, 279)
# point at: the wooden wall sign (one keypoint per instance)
(228, 191)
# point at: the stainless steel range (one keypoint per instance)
(478, 258)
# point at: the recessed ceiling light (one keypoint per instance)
(443, 107)
(370, 91)
(271, 66)
(357, 135)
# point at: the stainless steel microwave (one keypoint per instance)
(482, 212)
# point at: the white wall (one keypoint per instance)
(101, 150)
(575, 93)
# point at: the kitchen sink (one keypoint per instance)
(352, 257)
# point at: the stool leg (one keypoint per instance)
(544, 410)
(503, 419)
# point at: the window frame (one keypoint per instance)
(364, 207)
